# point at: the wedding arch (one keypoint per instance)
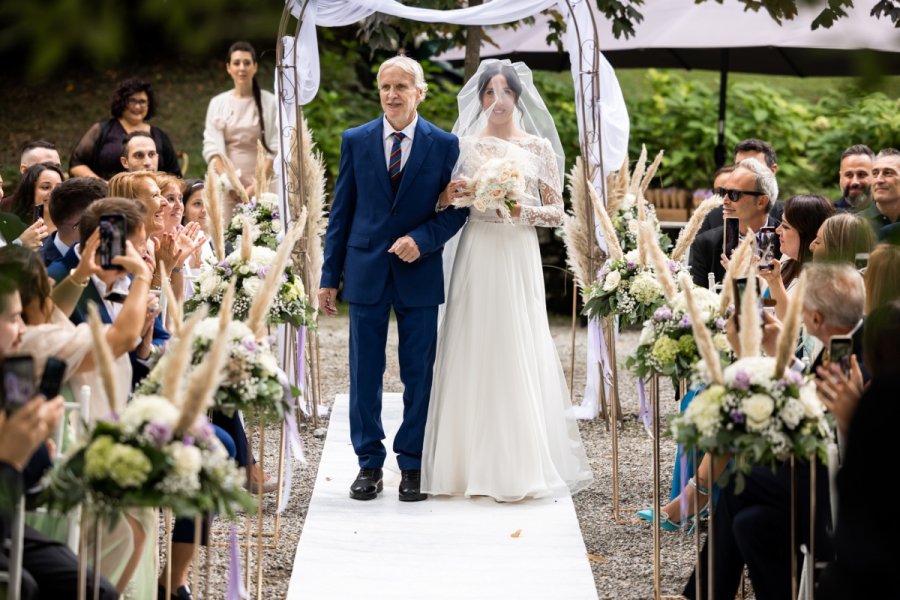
(603, 124)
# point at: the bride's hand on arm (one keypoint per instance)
(455, 189)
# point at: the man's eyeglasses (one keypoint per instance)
(735, 195)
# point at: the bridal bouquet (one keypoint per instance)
(626, 223)
(289, 306)
(251, 374)
(667, 345)
(756, 416)
(138, 459)
(625, 289)
(263, 214)
(497, 185)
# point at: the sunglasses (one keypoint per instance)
(735, 195)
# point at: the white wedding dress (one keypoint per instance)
(500, 423)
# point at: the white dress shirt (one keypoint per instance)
(405, 145)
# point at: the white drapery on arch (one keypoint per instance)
(607, 147)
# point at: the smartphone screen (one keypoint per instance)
(18, 382)
(38, 211)
(862, 260)
(739, 284)
(54, 371)
(840, 348)
(732, 235)
(765, 239)
(112, 239)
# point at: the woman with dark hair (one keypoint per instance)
(34, 190)
(238, 118)
(99, 152)
(803, 215)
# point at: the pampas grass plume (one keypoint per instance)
(103, 356)
(787, 339)
(213, 204)
(703, 337)
(689, 233)
(751, 332)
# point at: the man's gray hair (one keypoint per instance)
(765, 179)
(410, 66)
(835, 290)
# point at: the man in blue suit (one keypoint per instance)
(385, 237)
(67, 202)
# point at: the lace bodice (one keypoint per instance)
(543, 204)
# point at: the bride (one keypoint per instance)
(499, 422)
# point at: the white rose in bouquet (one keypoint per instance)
(812, 406)
(612, 281)
(757, 408)
(144, 409)
(251, 286)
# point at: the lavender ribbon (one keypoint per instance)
(236, 590)
(644, 407)
(293, 445)
(597, 352)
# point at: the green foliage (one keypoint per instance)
(679, 115)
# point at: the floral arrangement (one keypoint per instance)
(626, 223)
(289, 305)
(139, 458)
(497, 185)
(757, 415)
(263, 214)
(667, 345)
(625, 288)
(251, 373)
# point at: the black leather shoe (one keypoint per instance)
(182, 593)
(411, 486)
(367, 485)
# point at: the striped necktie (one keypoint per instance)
(394, 162)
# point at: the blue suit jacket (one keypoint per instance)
(49, 252)
(366, 218)
(60, 269)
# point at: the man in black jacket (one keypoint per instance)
(751, 191)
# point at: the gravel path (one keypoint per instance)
(621, 554)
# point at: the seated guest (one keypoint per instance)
(749, 148)
(841, 238)
(14, 231)
(99, 152)
(38, 151)
(864, 540)
(139, 152)
(34, 191)
(50, 570)
(751, 191)
(753, 527)
(855, 179)
(882, 276)
(884, 214)
(67, 202)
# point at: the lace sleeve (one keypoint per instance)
(550, 213)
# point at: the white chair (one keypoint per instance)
(13, 576)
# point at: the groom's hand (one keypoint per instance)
(328, 301)
(406, 249)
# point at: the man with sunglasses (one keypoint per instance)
(749, 194)
(749, 148)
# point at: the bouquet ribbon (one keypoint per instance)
(644, 408)
(292, 442)
(236, 590)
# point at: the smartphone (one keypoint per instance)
(862, 260)
(112, 240)
(18, 382)
(51, 381)
(840, 348)
(732, 236)
(38, 211)
(739, 284)
(765, 243)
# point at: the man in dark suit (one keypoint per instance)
(385, 237)
(884, 214)
(753, 527)
(749, 148)
(751, 190)
(107, 288)
(67, 202)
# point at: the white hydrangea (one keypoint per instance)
(705, 300)
(792, 413)
(251, 286)
(268, 362)
(267, 200)
(645, 288)
(143, 409)
(760, 369)
(275, 225)
(209, 282)
(632, 256)
(262, 256)
(758, 409)
(812, 406)
(185, 476)
(613, 278)
(704, 409)
(627, 202)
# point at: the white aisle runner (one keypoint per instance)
(453, 548)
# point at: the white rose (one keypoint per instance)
(209, 283)
(268, 363)
(646, 335)
(757, 408)
(143, 409)
(268, 200)
(792, 413)
(632, 255)
(720, 341)
(627, 202)
(276, 225)
(760, 369)
(612, 281)
(252, 286)
(262, 255)
(244, 269)
(812, 406)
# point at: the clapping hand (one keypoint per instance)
(188, 241)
